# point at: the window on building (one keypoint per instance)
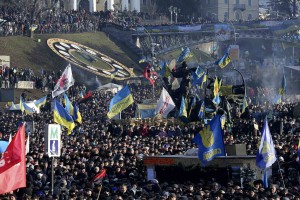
(207, 1)
(144, 2)
(237, 1)
(249, 2)
(129, 1)
(226, 1)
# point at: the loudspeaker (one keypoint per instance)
(236, 150)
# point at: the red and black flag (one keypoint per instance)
(98, 176)
(150, 74)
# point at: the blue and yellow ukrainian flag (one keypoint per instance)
(142, 59)
(277, 99)
(216, 87)
(62, 117)
(210, 141)
(119, 102)
(182, 110)
(68, 105)
(21, 105)
(266, 154)
(224, 61)
(193, 105)
(186, 53)
(77, 115)
(201, 111)
(165, 71)
(81, 95)
(41, 102)
(245, 104)
(282, 88)
(25, 108)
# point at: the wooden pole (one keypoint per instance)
(98, 197)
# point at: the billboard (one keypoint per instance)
(4, 61)
(53, 140)
(222, 32)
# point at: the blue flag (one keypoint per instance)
(165, 71)
(120, 101)
(224, 61)
(210, 141)
(183, 111)
(186, 53)
(282, 88)
(201, 111)
(266, 154)
(143, 59)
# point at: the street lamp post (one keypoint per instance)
(171, 11)
(176, 11)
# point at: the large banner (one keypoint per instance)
(25, 84)
(4, 61)
(146, 110)
(222, 32)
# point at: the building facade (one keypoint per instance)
(234, 10)
(102, 5)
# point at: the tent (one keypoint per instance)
(111, 87)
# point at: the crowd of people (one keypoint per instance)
(119, 147)
(19, 22)
(99, 143)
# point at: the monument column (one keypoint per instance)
(125, 5)
(92, 5)
(136, 5)
(110, 4)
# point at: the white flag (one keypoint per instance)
(64, 83)
(165, 104)
(10, 137)
(27, 144)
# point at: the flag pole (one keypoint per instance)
(280, 173)
(52, 176)
(153, 91)
(99, 192)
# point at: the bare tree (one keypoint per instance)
(152, 9)
(36, 8)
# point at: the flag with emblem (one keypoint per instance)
(266, 155)
(165, 104)
(210, 141)
(150, 74)
(64, 82)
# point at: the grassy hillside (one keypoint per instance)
(25, 52)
